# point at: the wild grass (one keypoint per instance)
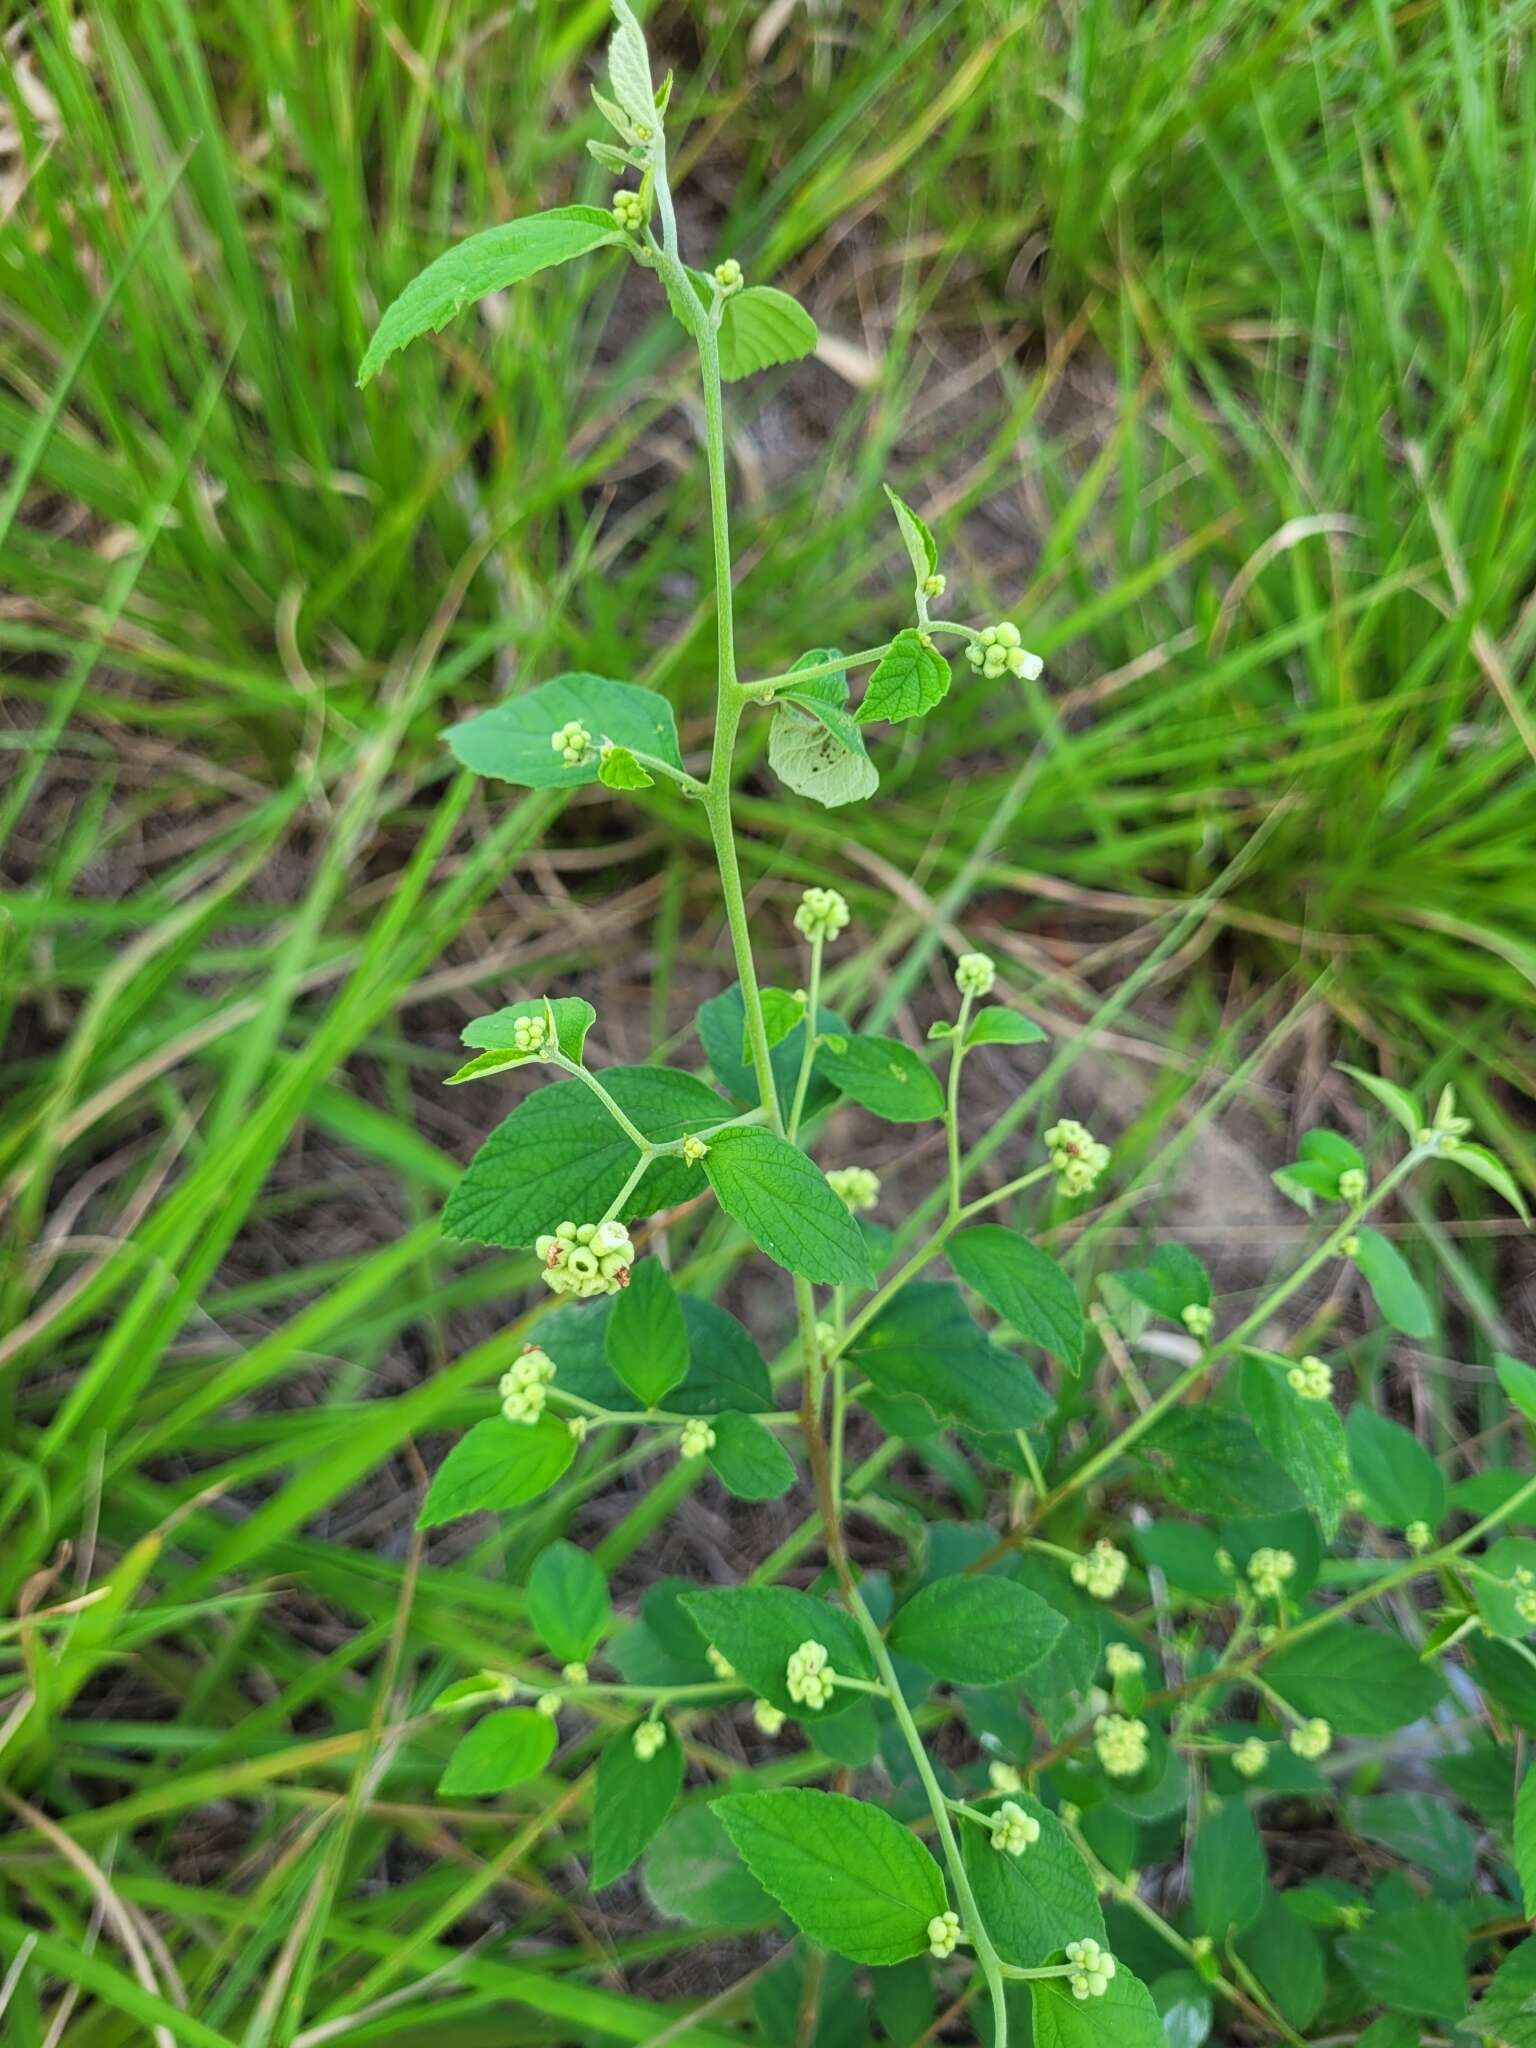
(1228, 323)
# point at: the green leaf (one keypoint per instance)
(749, 1460)
(465, 1694)
(1033, 1904)
(692, 1872)
(1400, 1480)
(1390, 1278)
(783, 1202)
(487, 262)
(1024, 1285)
(1305, 1438)
(1229, 1874)
(841, 724)
(1412, 1960)
(634, 1796)
(510, 742)
(1396, 1101)
(910, 678)
(1506, 2012)
(1424, 1829)
(782, 1010)
(997, 1025)
(1525, 1842)
(629, 67)
(976, 1631)
(1287, 1958)
(922, 549)
(1124, 2017)
(725, 1368)
(560, 1157)
(1217, 1466)
(925, 1342)
(849, 1876)
(501, 1750)
(1498, 1602)
(1518, 1381)
(885, 1077)
(762, 326)
(573, 1017)
(816, 762)
(1487, 1167)
(1362, 1680)
(617, 768)
(759, 1628)
(498, 1465)
(722, 1031)
(1172, 1280)
(647, 1338)
(568, 1601)
(1186, 1555)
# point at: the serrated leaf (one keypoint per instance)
(499, 1751)
(1362, 1681)
(629, 66)
(1217, 1466)
(1390, 1278)
(510, 742)
(1229, 1874)
(910, 678)
(922, 549)
(617, 768)
(849, 1876)
(748, 1460)
(885, 1077)
(1412, 1959)
(634, 1796)
(926, 1343)
(497, 1465)
(1424, 1829)
(1033, 1904)
(782, 1010)
(1506, 2012)
(726, 1371)
(647, 1339)
(1287, 1958)
(761, 327)
(974, 1630)
(1124, 2017)
(573, 1017)
(1400, 1480)
(561, 1157)
(1024, 1285)
(721, 1023)
(692, 1872)
(482, 1690)
(784, 1203)
(1487, 1167)
(1172, 1280)
(1396, 1101)
(998, 1025)
(814, 761)
(759, 1628)
(1305, 1438)
(568, 1601)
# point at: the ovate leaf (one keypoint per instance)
(568, 1601)
(692, 1872)
(973, 1630)
(1396, 1101)
(511, 741)
(498, 1465)
(1024, 1285)
(1212, 1463)
(784, 1203)
(1035, 1903)
(911, 677)
(647, 1338)
(497, 1032)
(749, 1460)
(725, 1369)
(501, 1750)
(1400, 1480)
(922, 549)
(1525, 1842)
(1229, 1875)
(759, 1628)
(782, 1010)
(926, 1343)
(1506, 2012)
(1390, 1279)
(634, 1796)
(849, 1876)
(1487, 1167)
(996, 1025)
(487, 262)
(1362, 1680)
(816, 762)
(617, 768)
(629, 67)
(1412, 1959)
(1124, 2017)
(1305, 1438)
(885, 1077)
(762, 326)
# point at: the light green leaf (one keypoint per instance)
(465, 1694)
(911, 677)
(759, 1628)
(926, 1343)
(1124, 2017)
(629, 67)
(1396, 1101)
(814, 761)
(568, 1601)
(1400, 1480)
(849, 1876)
(561, 1157)
(1487, 1167)
(1032, 1905)
(498, 1465)
(647, 1338)
(501, 1750)
(783, 1202)
(1361, 1680)
(997, 1025)
(511, 741)
(762, 326)
(487, 262)
(1229, 1875)
(617, 768)
(749, 1460)
(1498, 1604)
(1412, 1959)
(885, 1077)
(922, 549)
(634, 1796)
(484, 1064)
(1024, 1285)
(1305, 1438)
(692, 1872)
(722, 1031)
(782, 1010)
(573, 1017)
(974, 1630)
(1390, 1278)
(1506, 2012)
(1518, 1381)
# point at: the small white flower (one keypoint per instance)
(856, 1185)
(1102, 1571)
(586, 1259)
(649, 1738)
(769, 1718)
(1013, 1830)
(575, 1673)
(1251, 1758)
(697, 1438)
(728, 276)
(943, 1935)
(1268, 1571)
(1005, 1778)
(1311, 1379)
(1121, 1661)
(1121, 1745)
(808, 1677)
(719, 1663)
(975, 974)
(822, 914)
(1076, 1156)
(1092, 1968)
(571, 742)
(998, 650)
(1312, 1739)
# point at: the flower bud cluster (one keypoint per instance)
(1076, 1155)
(769, 1718)
(858, 1187)
(822, 914)
(943, 1935)
(975, 974)
(571, 742)
(1353, 1185)
(1005, 1777)
(728, 276)
(809, 1678)
(998, 650)
(697, 1438)
(1251, 1758)
(935, 585)
(1312, 1379)
(1121, 1745)
(1420, 1537)
(1121, 1661)
(628, 211)
(1092, 1968)
(586, 1259)
(524, 1387)
(1013, 1830)
(530, 1034)
(719, 1663)
(649, 1739)
(1198, 1319)
(1268, 1571)
(694, 1149)
(1102, 1571)
(1311, 1739)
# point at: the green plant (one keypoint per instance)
(1066, 1754)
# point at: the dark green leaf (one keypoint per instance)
(1362, 1680)
(763, 326)
(1124, 2017)
(1412, 1959)
(1424, 1830)
(1287, 1958)
(759, 1628)
(1305, 1438)
(634, 1796)
(1506, 2012)
(568, 1601)
(1033, 1904)
(749, 1460)
(975, 1630)
(885, 1077)
(647, 1338)
(726, 1370)
(722, 1031)
(1229, 1875)
(782, 1200)
(1400, 1480)
(926, 1343)
(999, 1026)
(1217, 1466)
(1024, 1285)
(692, 1872)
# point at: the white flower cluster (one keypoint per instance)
(571, 742)
(530, 1034)
(1076, 1155)
(1121, 1745)
(650, 1738)
(728, 276)
(943, 1935)
(628, 211)
(1013, 1830)
(998, 650)
(1102, 1571)
(975, 974)
(697, 1438)
(1251, 1758)
(1092, 1968)
(524, 1387)
(768, 1717)
(822, 914)
(808, 1677)
(1312, 1379)
(1353, 1185)
(1312, 1739)
(1198, 1319)
(586, 1259)
(858, 1187)
(1121, 1661)
(1005, 1778)
(1268, 1571)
